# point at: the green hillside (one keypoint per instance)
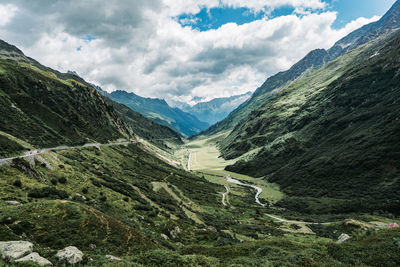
(45, 111)
(331, 138)
(145, 128)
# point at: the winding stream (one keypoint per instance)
(259, 190)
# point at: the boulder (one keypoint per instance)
(343, 238)
(13, 250)
(71, 254)
(175, 232)
(164, 236)
(36, 258)
(113, 258)
(13, 203)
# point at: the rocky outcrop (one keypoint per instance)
(343, 238)
(70, 254)
(13, 250)
(36, 258)
(175, 232)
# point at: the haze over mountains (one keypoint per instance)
(214, 110)
(304, 172)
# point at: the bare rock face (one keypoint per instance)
(13, 250)
(36, 258)
(343, 238)
(71, 254)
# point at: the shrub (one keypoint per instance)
(54, 181)
(62, 180)
(48, 192)
(17, 183)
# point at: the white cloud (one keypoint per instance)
(6, 13)
(177, 7)
(154, 56)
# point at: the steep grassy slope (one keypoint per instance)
(159, 111)
(145, 128)
(39, 108)
(314, 60)
(333, 135)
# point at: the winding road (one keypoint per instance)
(45, 150)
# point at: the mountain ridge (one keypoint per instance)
(328, 125)
(312, 61)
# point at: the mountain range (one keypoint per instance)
(214, 110)
(303, 173)
(159, 111)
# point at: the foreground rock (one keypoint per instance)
(343, 238)
(13, 250)
(13, 203)
(71, 254)
(36, 258)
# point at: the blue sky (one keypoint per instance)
(347, 10)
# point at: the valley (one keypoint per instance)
(303, 172)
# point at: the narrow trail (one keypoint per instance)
(45, 150)
(224, 195)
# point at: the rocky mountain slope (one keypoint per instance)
(159, 111)
(312, 61)
(332, 136)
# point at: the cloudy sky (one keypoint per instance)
(179, 49)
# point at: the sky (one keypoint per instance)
(182, 50)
